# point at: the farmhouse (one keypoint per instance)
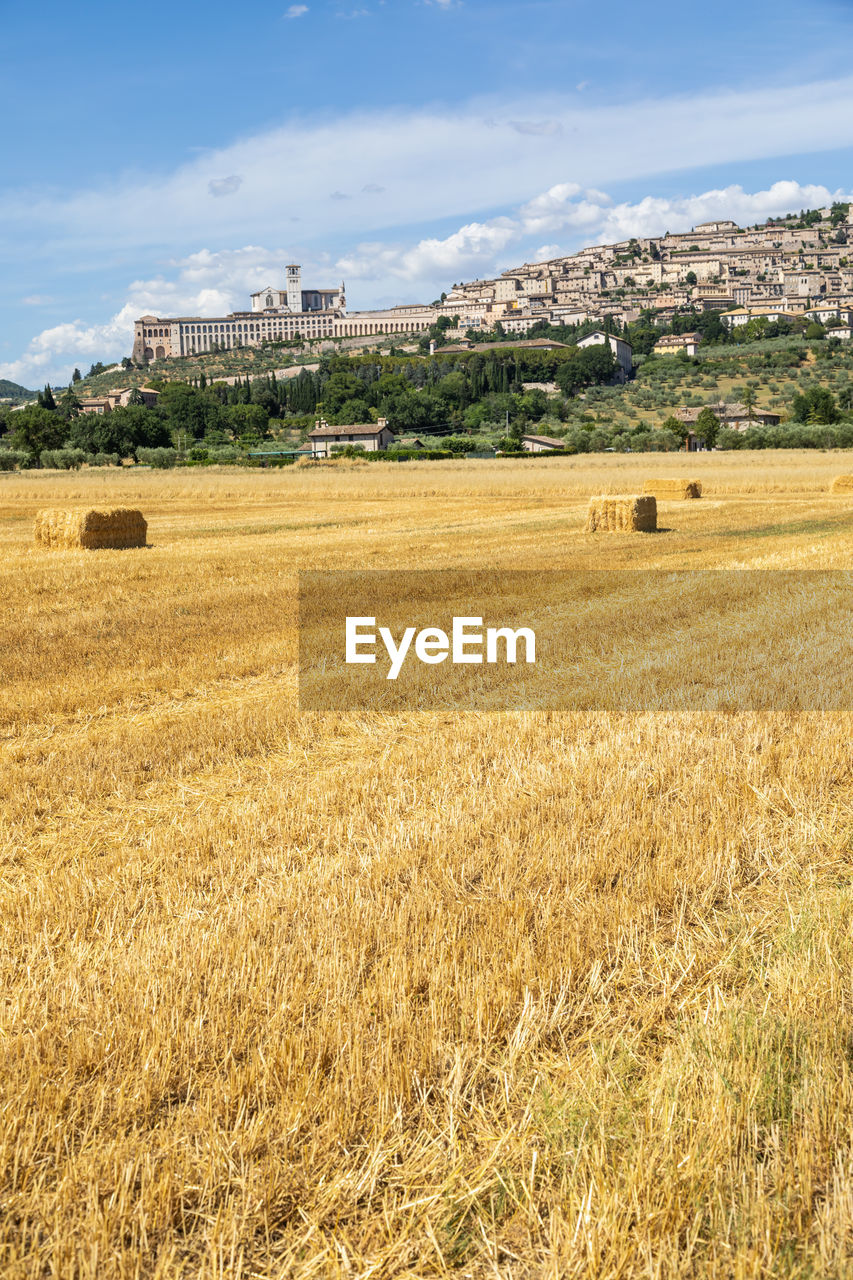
(369, 436)
(541, 444)
(734, 416)
(119, 399)
(673, 343)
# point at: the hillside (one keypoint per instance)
(480, 398)
(14, 391)
(251, 362)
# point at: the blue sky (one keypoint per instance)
(172, 158)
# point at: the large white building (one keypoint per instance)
(277, 315)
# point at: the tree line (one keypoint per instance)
(440, 394)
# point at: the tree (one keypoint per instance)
(69, 405)
(186, 409)
(37, 428)
(816, 405)
(45, 398)
(251, 419)
(76, 376)
(123, 431)
(707, 426)
(690, 278)
(675, 427)
(748, 401)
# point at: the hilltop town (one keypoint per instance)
(787, 266)
(792, 267)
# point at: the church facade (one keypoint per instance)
(276, 315)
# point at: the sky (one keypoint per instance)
(172, 158)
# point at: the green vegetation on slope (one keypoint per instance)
(14, 391)
(479, 399)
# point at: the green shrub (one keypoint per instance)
(161, 459)
(12, 458)
(63, 459)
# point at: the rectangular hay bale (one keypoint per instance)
(673, 487)
(842, 484)
(93, 530)
(629, 513)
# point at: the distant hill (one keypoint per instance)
(14, 391)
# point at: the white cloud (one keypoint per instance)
(37, 300)
(594, 213)
(584, 216)
(296, 11)
(204, 283)
(53, 353)
(465, 251)
(473, 157)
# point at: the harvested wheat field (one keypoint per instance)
(673, 487)
(487, 995)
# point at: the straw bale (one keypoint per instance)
(673, 487)
(94, 530)
(631, 513)
(842, 484)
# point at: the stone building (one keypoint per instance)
(118, 399)
(277, 315)
(369, 436)
(541, 444)
(672, 343)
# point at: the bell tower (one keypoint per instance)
(294, 287)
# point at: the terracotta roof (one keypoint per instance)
(549, 440)
(722, 410)
(678, 339)
(357, 429)
(548, 343)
